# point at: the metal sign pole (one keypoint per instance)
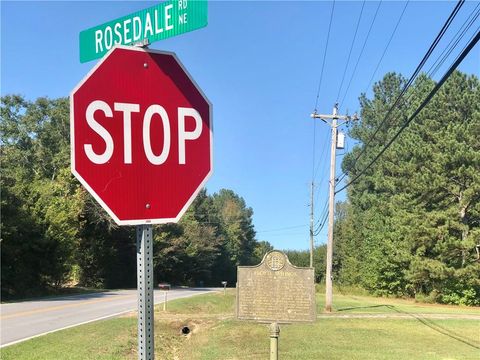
(146, 350)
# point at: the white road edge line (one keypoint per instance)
(87, 322)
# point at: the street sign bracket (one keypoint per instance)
(145, 43)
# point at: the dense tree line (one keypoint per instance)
(411, 224)
(54, 233)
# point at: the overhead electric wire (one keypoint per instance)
(323, 213)
(322, 222)
(321, 226)
(447, 50)
(322, 156)
(475, 38)
(324, 56)
(388, 44)
(455, 40)
(282, 228)
(340, 178)
(319, 88)
(351, 48)
(361, 52)
(313, 150)
(318, 95)
(410, 81)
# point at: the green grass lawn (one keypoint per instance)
(217, 335)
(346, 303)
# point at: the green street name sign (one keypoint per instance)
(158, 22)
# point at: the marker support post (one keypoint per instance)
(274, 335)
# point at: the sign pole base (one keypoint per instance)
(146, 349)
(274, 335)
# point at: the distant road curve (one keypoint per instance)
(24, 320)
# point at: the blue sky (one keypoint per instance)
(259, 63)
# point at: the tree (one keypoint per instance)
(237, 232)
(261, 248)
(413, 217)
(54, 232)
(40, 201)
(186, 253)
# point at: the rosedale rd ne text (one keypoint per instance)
(133, 29)
(158, 22)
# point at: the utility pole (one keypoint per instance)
(331, 197)
(311, 224)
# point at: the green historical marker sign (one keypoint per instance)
(158, 22)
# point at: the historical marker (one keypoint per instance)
(275, 291)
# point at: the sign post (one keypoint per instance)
(274, 335)
(146, 345)
(165, 288)
(141, 144)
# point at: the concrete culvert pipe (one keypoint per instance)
(185, 330)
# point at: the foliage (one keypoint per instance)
(410, 226)
(214, 236)
(54, 233)
(40, 200)
(302, 258)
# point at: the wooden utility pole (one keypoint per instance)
(334, 117)
(311, 224)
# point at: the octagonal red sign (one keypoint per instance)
(141, 136)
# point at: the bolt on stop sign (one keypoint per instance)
(141, 136)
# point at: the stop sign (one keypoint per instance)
(141, 136)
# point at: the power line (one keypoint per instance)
(455, 40)
(324, 55)
(314, 138)
(282, 228)
(322, 157)
(447, 50)
(459, 59)
(351, 48)
(323, 220)
(388, 44)
(361, 52)
(342, 176)
(313, 151)
(410, 81)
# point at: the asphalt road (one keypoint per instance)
(23, 320)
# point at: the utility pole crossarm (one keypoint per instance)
(325, 117)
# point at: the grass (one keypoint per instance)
(215, 334)
(110, 339)
(366, 304)
(210, 304)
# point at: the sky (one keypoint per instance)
(260, 64)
